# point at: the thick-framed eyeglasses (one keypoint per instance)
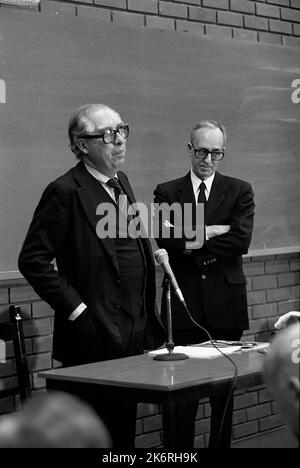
(109, 135)
(202, 153)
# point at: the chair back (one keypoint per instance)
(13, 330)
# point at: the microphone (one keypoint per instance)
(162, 258)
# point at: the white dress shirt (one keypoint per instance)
(102, 178)
(196, 181)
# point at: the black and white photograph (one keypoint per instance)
(149, 227)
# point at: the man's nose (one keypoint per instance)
(119, 140)
(208, 158)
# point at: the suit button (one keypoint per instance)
(204, 263)
(203, 276)
(117, 306)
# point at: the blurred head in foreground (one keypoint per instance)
(281, 372)
(54, 420)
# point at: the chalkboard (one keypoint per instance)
(161, 82)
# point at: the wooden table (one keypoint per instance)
(142, 379)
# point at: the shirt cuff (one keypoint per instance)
(77, 311)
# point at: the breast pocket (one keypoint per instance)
(236, 277)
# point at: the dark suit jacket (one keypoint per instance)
(64, 227)
(211, 278)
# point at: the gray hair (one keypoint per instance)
(210, 124)
(81, 123)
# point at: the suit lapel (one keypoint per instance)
(185, 191)
(126, 187)
(144, 240)
(90, 194)
(216, 197)
(185, 196)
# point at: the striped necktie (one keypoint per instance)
(114, 183)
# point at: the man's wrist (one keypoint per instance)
(206, 235)
(78, 311)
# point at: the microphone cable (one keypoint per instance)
(235, 375)
(162, 258)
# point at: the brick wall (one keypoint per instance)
(273, 281)
(273, 289)
(266, 21)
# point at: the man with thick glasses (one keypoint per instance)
(103, 291)
(211, 277)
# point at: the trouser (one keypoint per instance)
(120, 420)
(118, 416)
(220, 437)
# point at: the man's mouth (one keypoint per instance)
(119, 153)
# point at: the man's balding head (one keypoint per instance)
(81, 122)
(54, 420)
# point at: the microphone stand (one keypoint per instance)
(170, 356)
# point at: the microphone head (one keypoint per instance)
(161, 256)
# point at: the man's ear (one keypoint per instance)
(81, 144)
(190, 146)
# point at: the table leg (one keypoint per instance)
(179, 424)
(169, 426)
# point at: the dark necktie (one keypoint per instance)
(201, 195)
(202, 199)
(114, 183)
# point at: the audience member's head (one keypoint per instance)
(54, 420)
(281, 371)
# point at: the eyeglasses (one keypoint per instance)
(202, 153)
(109, 135)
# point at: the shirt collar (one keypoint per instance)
(196, 181)
(97, 174)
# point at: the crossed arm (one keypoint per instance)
(221, 239)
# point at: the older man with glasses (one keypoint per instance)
(103, 291)
(210, 276)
